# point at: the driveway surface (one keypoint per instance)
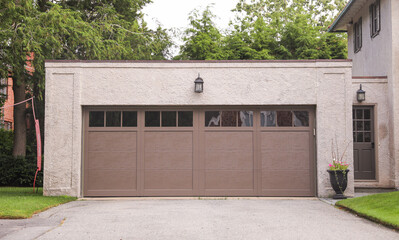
(195, 219)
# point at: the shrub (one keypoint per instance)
(19, 171)
(6, 142)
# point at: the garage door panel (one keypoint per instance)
(273, 160)
(112, 141)
(286, 180)
(229, 160)
(285, 141)
(112, 160)
(229, 141)
(217, 179)
(168, 179)
(112, 179)
(168, 141)
(169, 160)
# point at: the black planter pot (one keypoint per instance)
(339, 182)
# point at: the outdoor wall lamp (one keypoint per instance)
(199, 84)
(360, 94)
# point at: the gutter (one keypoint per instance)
(343, 12)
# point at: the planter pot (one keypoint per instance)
(339, 181)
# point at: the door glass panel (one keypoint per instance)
(185, 118)
(301, 118)
(229, 118)
(246, 119)
(359, 126)
(367, 125)
(359, 114)
(359, 137)
(168, 119)
(212, 118)
(284, 118)
(268, 118)
(367, 137)
(96, 119)
(353, 114)
(113, 119)
(129, 119)
(152, 119)
(354, 137)
(366, 113)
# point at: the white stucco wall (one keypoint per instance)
(72, 85)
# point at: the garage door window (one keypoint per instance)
(229, 118)
(113, 119)
(129, 119)
(284, 118)
(96, 119)
(168, 118)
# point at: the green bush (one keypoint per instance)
(19, 171)
(6, 142)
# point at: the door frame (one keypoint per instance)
(374, 108)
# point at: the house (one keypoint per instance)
(258, 128)
(7, 114)
(138, 128)
(373, 45)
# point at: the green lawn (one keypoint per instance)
(17, 202)
(382, 208)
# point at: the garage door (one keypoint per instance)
(246, 151)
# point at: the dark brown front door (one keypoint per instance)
(363, 142)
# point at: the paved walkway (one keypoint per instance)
(195, 219)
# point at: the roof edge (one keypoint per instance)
(341, 14)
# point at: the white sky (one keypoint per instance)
(174, 13)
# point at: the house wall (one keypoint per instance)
(374, 58)
(376, 96)
(394, 87)
(378, 57)
(8, 113)
(72, 85)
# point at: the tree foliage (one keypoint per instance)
(70, 29)
(270, 29)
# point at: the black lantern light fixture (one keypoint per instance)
(360, 94)
(198, 84)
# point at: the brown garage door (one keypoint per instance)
(262, 151)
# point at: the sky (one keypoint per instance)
(174, 13)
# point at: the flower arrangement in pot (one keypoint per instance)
(338, 171)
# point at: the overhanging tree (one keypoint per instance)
(69, 30)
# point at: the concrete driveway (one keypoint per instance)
(195, 219)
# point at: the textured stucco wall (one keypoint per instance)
(71, 85)
(374, 58)
(377, 96)
(394, 85)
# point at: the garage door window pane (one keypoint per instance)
(246, 119)
(212, 118)
(113, 119)
(168, 119)
(129, 119)
(301, 118)
(284, 118)
(185, 118)
(152, 119)
(268, 118)
(229, 118)
(96, 119)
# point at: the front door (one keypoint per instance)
(363, 142)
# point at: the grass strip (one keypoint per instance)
(22, 202)
(381, 208)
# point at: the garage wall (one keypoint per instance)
(73, 84)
